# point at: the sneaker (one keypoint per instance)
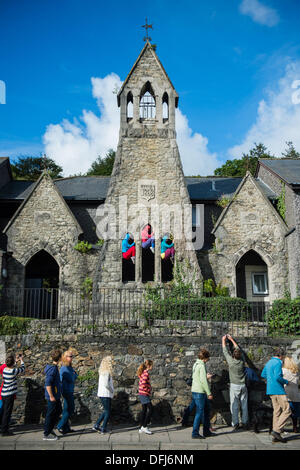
(235, 427)
(198, 437)
(50, 437)
(95, 428)
(277, 437)
(103, 431)
(145, 430)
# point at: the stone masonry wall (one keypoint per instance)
(252, 223)
(173, 359)
(46, 222)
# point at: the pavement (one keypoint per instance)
(173, 437)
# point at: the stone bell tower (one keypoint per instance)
(147, 183)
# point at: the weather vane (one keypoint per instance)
(147, 26)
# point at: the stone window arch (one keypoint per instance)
(165, 106)
(147, 102)
(129, 106)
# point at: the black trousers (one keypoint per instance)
(53, 413)
(146, 414)
(7, 406)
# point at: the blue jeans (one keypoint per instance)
(106, 402)
(202, 413)
(68, 410)
(148, 243)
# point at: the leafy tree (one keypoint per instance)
(248, 162)
(31, 168)
(290, 151)
(103, 166)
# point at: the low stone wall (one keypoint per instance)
(173, 359)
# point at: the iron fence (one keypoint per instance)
(128, 311)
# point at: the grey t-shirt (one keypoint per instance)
(236, 368)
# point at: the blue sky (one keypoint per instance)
(232, 62)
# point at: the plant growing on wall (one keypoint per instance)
(100, 242)
(83, 247)
(87, 288)
(281, 207)
(223, 201)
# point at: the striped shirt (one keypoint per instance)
(10, 380)
(144, 384)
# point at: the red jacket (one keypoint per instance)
(144, 384)
(1, 373)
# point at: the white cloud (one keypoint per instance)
(259, 13)
(278, 116)
(195, 156)
(75, 145)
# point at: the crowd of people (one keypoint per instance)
(281, 374)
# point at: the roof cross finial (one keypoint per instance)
(147, 26)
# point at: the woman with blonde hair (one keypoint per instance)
(290, 372)
(67, 378)
(144, 395)
(105, 392)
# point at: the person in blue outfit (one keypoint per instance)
(128, 247)
(167, 248)
(272, 372)
(67, 377)
(52, 395)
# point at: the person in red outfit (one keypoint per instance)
(144, 395)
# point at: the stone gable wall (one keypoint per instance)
(250, 223)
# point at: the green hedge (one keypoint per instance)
(283, 318)
(201, 308)
(13, 325)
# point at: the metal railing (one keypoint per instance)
(158, 311)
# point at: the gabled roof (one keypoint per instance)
(287, 169)
(147, 46)
(6, 161)
(94, 188)
(32, 188)
(260, 189)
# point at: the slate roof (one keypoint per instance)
(94, 188)
(287, 169)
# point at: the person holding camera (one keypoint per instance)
(238, 388)
(9, 390)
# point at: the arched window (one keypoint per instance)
(165, 107)
(129, 106)
(147, 102)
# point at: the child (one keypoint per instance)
(128, 248)
(52, 395)
(144, 395)
(9, 390)
(290, 372)
(105, 392)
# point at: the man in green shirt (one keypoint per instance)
(238, 389)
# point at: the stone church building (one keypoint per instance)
(226, 229)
